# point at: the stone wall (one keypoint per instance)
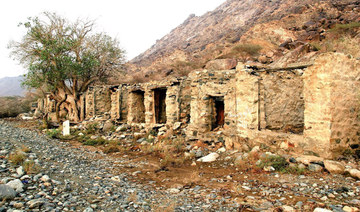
(207, 87)
(136, 105)
(281, 94)
(332, 109)
(174, 105)
(249, 104)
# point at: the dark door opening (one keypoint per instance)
(160, 105)
(217, 112)
(138, 106)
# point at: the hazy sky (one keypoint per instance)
(136, 23)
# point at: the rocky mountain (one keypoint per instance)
(11, 86)
(274, 32)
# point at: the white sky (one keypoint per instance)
(136, 23)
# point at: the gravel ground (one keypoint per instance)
(75, 179)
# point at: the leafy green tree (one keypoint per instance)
(65, 58)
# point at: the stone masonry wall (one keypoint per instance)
(332, 109)
(205, 86)
(136, 105)
(172, 101)
(282, 95)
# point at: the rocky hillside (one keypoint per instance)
(11, 86)
(274, 32)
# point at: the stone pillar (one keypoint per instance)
(247, 97)
(332, 102)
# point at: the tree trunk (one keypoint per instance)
(74, 105)
(57, 108)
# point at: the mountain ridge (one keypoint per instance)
(286, 31)
(11, 86)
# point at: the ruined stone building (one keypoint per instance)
(314, 107)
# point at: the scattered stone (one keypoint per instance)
(7, 192)
(221, 150)
(177, 125)
(269, 169)
(36, 203)
(88, 210)
(20, 171)
(350, 209)
(173, 190)
(16, 185)
(209, 158)
(355, 173)
(307, 159)
(286, 208)
(315, 168)
(322, 210)
(45, 178)
(334, 167)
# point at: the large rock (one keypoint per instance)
(209, 158)
(16, 185)
(315, 168)
(7, 192)
(307, 159)
(108, 126)
(221, 64)
(334, 167)
(355, 173)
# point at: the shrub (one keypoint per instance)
(279, 163)
(31, 167)
(17, 157)
(12, 106)
(53, 133)
(94, 142)
(345, 27)
(92, 128)
(250, 49)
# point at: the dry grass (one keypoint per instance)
(17, 157)
(25, 149)
(171, 151)
(31, 167)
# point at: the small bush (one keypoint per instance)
(53, 133)
(293, 170)
(92, 128)
(250, 49)
(31, 167)
(344, 27)
(279, 163)
(95, 142)
(17, 157)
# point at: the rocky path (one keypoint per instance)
(70, 178)
(75, 179)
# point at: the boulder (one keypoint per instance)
(108, 126)
(209, 158)
(307, 159)
(7, 192)
(16, 185)
(334, 167)
(355, 173)
(221, 64)
(315, 168)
